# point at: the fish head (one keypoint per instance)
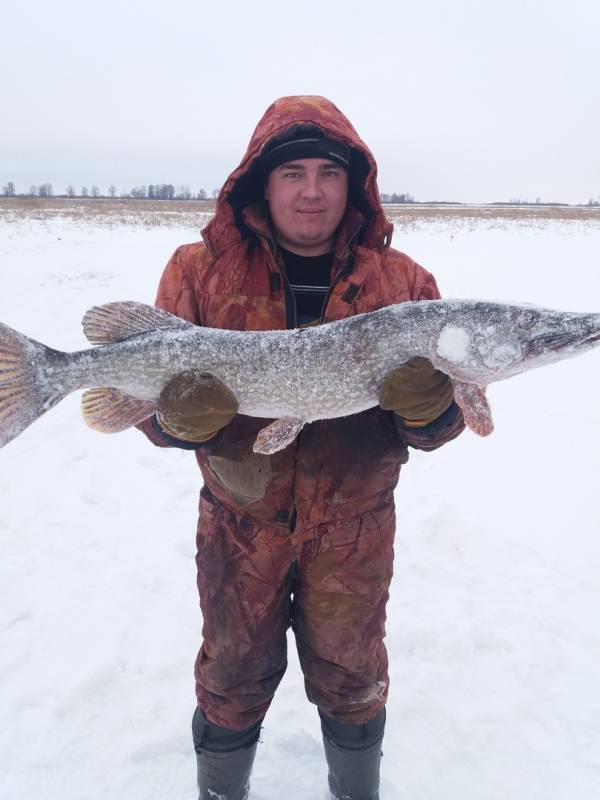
(484, 342)
(555, 335)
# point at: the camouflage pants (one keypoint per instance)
(330, 584)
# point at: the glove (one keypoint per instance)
(417, 392)
(194, 406)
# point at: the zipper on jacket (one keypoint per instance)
(291, 311)
(344, 272)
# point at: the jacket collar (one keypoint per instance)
(256, 218)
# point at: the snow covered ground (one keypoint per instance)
(493, 622)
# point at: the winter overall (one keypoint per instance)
(304, 537)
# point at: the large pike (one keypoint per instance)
(292, 376)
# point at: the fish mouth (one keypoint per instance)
(560, 341)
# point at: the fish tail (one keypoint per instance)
(26, 386)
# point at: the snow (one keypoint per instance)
(453, 343)
(493, 618)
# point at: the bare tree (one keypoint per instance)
(161, 191)
(396, 198)
(84, 191)
(95, 191)
(9, 189)
(70, 190)
(112, 190)
(202, 195)
(33, 191)
(45, 190)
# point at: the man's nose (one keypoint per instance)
(312, 187)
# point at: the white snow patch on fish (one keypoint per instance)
(292, 376)
(453, 344)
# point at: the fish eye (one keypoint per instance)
(527, 319)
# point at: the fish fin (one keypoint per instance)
(475, 407)
(278, 435)
(25, 392)
(110, 410)
(114, 322)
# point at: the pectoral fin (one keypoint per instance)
(475, 407)
(110, 410)
(278, 435)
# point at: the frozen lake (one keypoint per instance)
(493, 627)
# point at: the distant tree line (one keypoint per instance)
(169, 191)
(396, 198)
(153, 191)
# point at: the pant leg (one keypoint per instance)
(244, 586)
(339, 614)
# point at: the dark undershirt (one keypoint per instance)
(309, 278)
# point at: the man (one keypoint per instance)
(303, 537)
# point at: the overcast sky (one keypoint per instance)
(473, 100)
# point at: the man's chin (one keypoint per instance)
(314, 241)
(312, 236)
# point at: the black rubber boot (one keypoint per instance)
(225, 776)
(224, 759)
(353, 754)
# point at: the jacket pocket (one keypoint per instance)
(245, 479)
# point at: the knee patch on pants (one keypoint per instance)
(215, 739)
(354, 737)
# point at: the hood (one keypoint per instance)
(241, 189)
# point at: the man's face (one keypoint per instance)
(307, 200)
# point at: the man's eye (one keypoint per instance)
(331, 173)
(291, 174)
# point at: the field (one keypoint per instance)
(492, 625)
(184, 214)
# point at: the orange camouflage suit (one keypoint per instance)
(302, 537)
